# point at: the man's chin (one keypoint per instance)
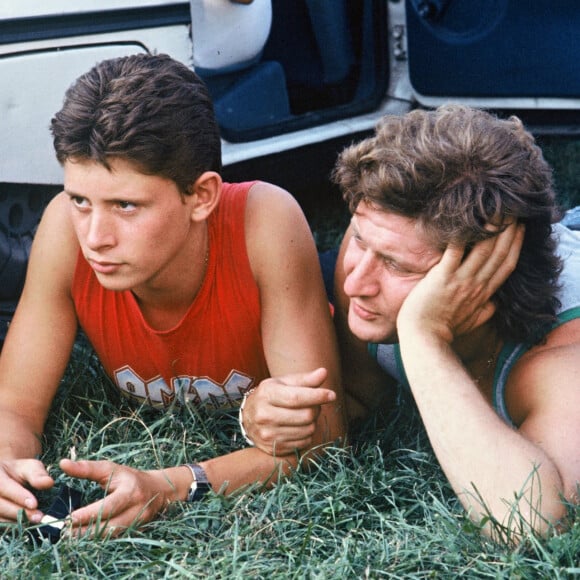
(368, 332)
(113, 284)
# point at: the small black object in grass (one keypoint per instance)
(66, 501)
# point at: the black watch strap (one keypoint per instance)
(200, 484)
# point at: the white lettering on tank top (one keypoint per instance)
(183, 389)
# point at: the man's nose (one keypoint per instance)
(361, 275)
(99, 232)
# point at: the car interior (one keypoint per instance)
(320, 61)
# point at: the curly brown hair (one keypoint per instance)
(148, 109)
(457, 169)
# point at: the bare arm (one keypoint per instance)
(34, 357)
(297, 325)
(487, 462)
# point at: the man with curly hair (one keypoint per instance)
(455, 280)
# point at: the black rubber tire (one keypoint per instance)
(21, 208)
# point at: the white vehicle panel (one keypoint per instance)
(35, 76)
(34, 86)
(32, 8)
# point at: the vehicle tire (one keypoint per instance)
(21, 207)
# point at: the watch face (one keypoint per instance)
(197, 491)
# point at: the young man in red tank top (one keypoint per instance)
(189, 289)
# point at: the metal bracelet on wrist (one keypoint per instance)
(241, 418)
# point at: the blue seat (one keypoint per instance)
(323, 60)
(312, 40)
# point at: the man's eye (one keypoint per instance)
(126, 205)
(394, 267)
(78, 200)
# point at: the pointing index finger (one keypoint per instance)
(298, 397)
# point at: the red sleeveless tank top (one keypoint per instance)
(214, 354)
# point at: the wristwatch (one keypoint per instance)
(200, 484)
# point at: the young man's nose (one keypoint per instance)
(99, 232)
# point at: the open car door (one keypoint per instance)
(498, 54)
(320, 61)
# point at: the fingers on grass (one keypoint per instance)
(15, 497)
(9, 509)
(101, 512)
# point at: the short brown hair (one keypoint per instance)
(150, 110)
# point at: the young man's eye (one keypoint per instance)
(79, 201)
(126, 205)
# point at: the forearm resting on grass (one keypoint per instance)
(495, 471)
(134, 497)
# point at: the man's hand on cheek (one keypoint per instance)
(455, 296)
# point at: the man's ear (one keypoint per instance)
(205, 195)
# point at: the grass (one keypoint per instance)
(379, 508)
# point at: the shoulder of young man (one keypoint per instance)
(55, 236)
(273, 218)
